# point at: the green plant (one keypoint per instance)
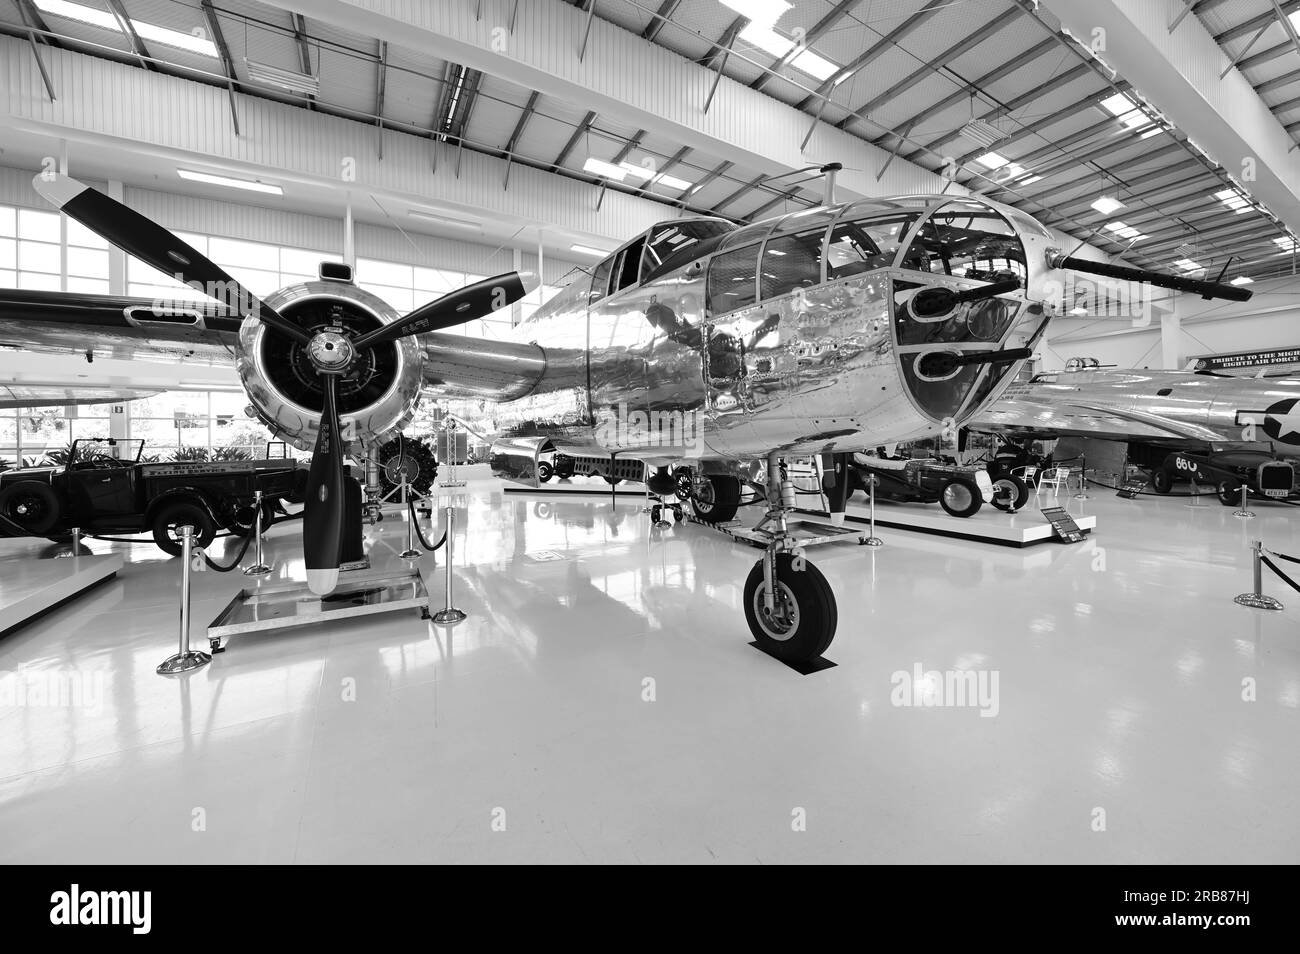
(186, 454)
(230, 453)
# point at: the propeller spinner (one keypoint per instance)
(332, 353)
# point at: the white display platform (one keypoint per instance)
(578, 485)
(30, 587)
(990, 525)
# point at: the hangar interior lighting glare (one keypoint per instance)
(229, 182)
(1234, 200)
(761, 32)
(1125, 231)
(1107, 205)
(600, 167)
(109, 21)
(1286, 243)
(588, 250)
(1242, 280)
(624, 169)
(1187, 265)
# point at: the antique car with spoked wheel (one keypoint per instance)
(104, 488)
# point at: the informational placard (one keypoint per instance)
(1064, 525)
(1243, 359)
(1132, 488)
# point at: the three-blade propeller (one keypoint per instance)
(324, 519)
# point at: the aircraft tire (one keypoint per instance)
(1161, 480)
(715, 498)
(804, 625)
(1014, 495)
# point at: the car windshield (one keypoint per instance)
(90, 448)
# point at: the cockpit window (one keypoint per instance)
(600, 280)
(731, 280)
(627, 266)
(864, 244)
(968, 243)
(790, 262)
(676, 243)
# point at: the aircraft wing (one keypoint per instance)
(28, 395)
(1017, 416)
(117, 327)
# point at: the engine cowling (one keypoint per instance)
(377, 396)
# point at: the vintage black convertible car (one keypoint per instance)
(103, 488)
(960, 490)
(1227, 468)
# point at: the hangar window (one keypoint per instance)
(790, 262)
(970, 242)
(731, 280)
(863, 244)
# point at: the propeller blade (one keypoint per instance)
(456, 308)
(151, 243)
(322, 521)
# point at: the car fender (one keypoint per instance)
(188, 494)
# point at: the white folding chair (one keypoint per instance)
(1056, 478)
(1027, 473)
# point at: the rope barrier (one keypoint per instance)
(239, 557)
(1148, 493)
(1285, 579)
(410, 506)
(1282, 556)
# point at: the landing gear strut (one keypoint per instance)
(789, 605)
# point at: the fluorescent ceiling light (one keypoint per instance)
(1295, 19)
(982, 133)
(1286, 243)
(109, 21)
(1233, 200)
(1078, 311)
(230, 183)
(444, 220)
(1029, 180)
(1125, 231)
(644, 174)
(79, 11)
(600, 167)
(1151, 132)
(759, 11)
(286, 79)
(1125, 110)
(1107, 205)
(991, 160)
(768, 40)
(1242, 280)
(1186, 264)
(184, 41)
(588, 250)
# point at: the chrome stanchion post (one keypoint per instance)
(185, 659)
(873, 540)
(449, 614)
(410, 553)
(1083, 479)
(1257, 599)
(1244, 512)
(259, 567)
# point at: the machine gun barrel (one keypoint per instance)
(1159, 279)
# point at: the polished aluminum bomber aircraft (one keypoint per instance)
(1167, 408)
(825, 332)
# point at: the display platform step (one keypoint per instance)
(990, 525)
(31, 587)
(578, 485)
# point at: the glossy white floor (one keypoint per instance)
(1120, 665)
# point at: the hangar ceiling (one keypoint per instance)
(992, 90)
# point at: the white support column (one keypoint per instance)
(116, 257)
(1171, 333)
(515, 311)
(63, 222)
(350, 240)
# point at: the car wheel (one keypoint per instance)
(1162, 481)
(1010, 492)
(171, 517)
(563, 467)
(32, 505)
(544, 471)
(1228, 492)
(803, 624)
(961, 498)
